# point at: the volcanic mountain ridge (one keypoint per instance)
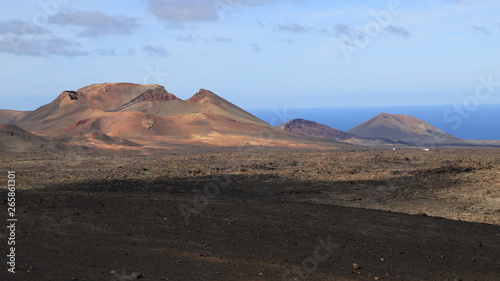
(132, 115)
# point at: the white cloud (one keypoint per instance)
(255, 48)
(481, 29)
(52, 45)
(18, 26)
(397, 30)
(155, 51)
(218, 39)
(96, 23)
(185, 11)
(105, 52)
(292, 27)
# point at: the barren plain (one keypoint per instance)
(257, 213)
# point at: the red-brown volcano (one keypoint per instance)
(403, 128)
(128, 114)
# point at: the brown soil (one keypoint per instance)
(257, 214)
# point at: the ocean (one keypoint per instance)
(472, 122)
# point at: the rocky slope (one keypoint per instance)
(15, 139)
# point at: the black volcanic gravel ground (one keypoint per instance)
(241, 226)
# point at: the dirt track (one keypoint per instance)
(258, 216)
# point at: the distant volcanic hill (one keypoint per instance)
(132, 115)
(13, 138)
(314, 129)
(403, 128)
(317, 130)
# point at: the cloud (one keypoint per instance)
(261, 24)
(19, 46)
(292, 27)
(342, 29)
(255, 48)
(185, 38)
(346, 33)
(155, 51)
(397, 30)
(96, 23)
(41, 47)
(21, 27)
(24, 38)
(214, 38)
(352, 34)
(105, 52)
(185, 11)
(287, 40)
(481, 29)
(219, 39)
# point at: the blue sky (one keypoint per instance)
(255, 53)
